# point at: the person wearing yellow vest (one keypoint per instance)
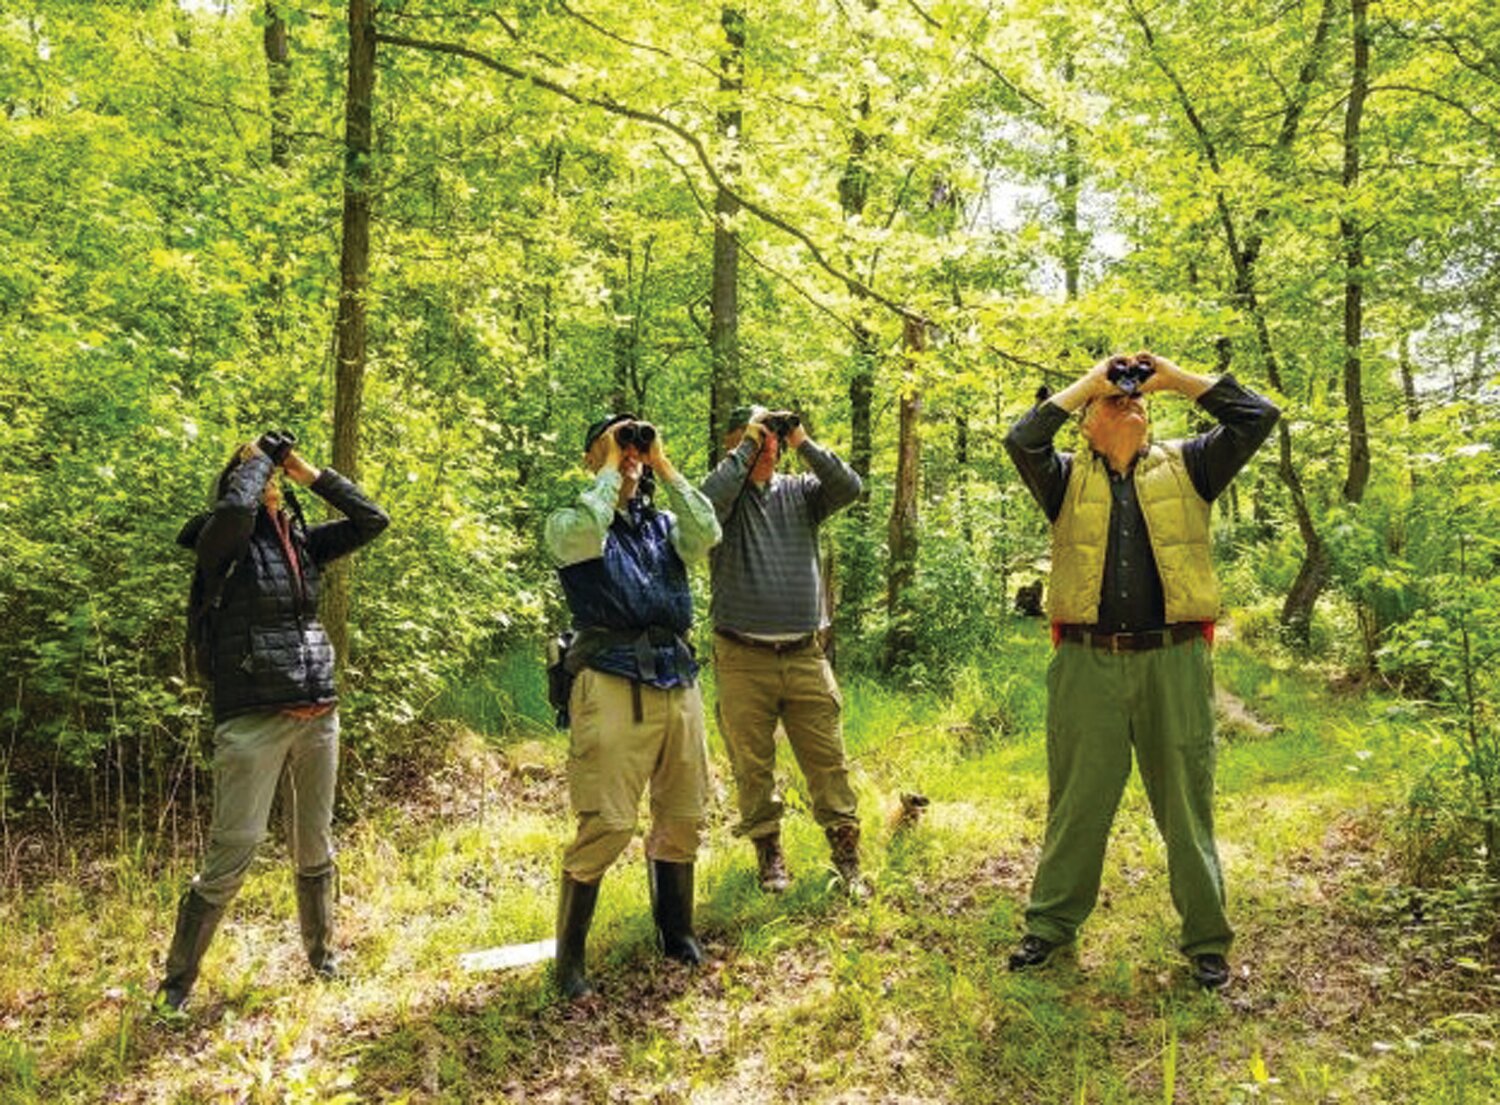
(1132, 600)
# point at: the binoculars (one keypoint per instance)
(276, 444)
(1128, 375)
(781, 423)
(639, 434)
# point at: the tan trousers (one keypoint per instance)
(612, 758)
(757, 688)
(253, 754)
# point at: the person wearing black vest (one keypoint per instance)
(271, 670)
(635, 707)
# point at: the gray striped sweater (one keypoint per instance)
(765, 573)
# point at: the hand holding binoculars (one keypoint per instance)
(1129, 373)
(276, 444)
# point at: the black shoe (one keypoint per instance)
(1210, 970)
(196, 922)
(315, 897)
(575, 912)
(672, 905)
(1033, 951)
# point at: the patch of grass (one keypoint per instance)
(808, 997)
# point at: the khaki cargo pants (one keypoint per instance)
(759, 687)
(611, 760)
(254, 753)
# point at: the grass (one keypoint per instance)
(808, 998)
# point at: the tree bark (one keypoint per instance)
(724, 323)
(1352, 236)
(354, 271)
(279, 78)
(1312, 576)
(1072, 244)
(901, 533)
(277, 48)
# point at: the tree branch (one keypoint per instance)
(713, 219)
(700, 152)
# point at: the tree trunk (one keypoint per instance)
(1072, 244)
(901, 534)
(860, 570)
(279, 82)
(1296, 612)
(724, 323)
(354, 272)
(1352, 236)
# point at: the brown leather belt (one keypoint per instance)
(1132, 642)
(770, 646)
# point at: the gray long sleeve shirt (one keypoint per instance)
(765, 571)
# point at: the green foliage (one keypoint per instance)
(167, 291)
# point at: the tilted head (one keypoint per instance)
(764, 464)
(1116, 426)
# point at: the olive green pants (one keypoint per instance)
(611, 760)
(1099, 705)
(759, 687)
(254, 753)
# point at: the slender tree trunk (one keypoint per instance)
(277, 48)
(724, 324)
(860, 571)
(1352, 236)
(901, 534)
(961, 456)
(279, 79)
(1072, 244)
(354, 272)
(1312, 576)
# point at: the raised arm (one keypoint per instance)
(833, 484)
(695, 526)
(227, 533)
(576, 533)
(722, 486)
(1245, 420)
(362, 520)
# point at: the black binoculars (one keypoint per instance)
(1128, 375)
(276, 444)
(639, 434)
(781, 423)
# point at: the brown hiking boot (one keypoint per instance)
(843, 843)
(772, 863)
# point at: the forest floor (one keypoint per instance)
(1338, 994)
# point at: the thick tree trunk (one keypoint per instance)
(354, 270)
(724, 324)
(1352, 236)
(901, 533)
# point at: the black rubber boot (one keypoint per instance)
(575, 912)
(196, 922)
(315, 897)
(672, 905)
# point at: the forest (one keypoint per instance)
(436, 239)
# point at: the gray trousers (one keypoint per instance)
(252, 754)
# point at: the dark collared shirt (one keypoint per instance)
(1131, 599)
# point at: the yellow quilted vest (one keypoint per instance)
(1176, 521)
